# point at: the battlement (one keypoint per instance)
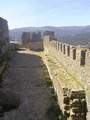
(74, 62)
(75, 58)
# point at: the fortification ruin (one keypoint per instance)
(32, 40)
(69, 69)
(68, 66)
(4, 36)
(4, 45)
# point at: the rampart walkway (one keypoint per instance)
(25, 76)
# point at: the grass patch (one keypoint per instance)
(54, 97)
(46, 76)
(49, 83)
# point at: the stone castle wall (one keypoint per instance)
(36, 46)
(71, 60)
(4, 35)
(75, 60)
(32, 40)
(4, 46)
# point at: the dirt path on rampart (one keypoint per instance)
(25, 76)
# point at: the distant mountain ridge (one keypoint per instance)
(71, 34)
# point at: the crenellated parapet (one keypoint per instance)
(74, 57)
(72, 73)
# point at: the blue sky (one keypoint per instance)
(23, 13)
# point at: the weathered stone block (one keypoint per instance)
(75, 110)
(75, 103)
(77, 94)
(66, 107)
(66, 113)
(66, 100)
(84, 106)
